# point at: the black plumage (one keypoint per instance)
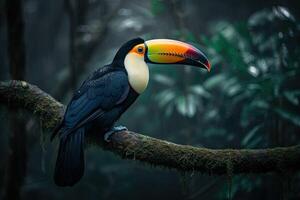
(99, 102)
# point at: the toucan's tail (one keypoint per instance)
(70, 159)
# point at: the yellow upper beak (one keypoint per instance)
(174, 52)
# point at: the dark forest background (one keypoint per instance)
(250, 99)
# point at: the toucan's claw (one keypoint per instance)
(113, 130)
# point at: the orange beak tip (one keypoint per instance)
(208, 67)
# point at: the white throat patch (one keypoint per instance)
(138, 72)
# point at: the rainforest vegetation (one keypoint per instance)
(232, 133)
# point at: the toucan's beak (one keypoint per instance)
(174, 52)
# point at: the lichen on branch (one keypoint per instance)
(130, 145)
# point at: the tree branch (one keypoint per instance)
(130, 145)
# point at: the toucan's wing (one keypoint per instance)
(97, 95)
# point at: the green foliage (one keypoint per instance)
(157, 7)
(250, 98)
(239, 184)
(259, 84)
(261, 68)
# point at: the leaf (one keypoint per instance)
(254, 86)
(290, 116)
(235, 89)
(162, 79)
(169, 109)
(211, 114)
(292, 96)
(192, 105)
(231, 86)
(157, 7)
(199, 90)
(240, 97)
(181, 105)
(187, 106)
(213, 132)
(165, 97)
(214, 81)
(253, 109)
(255, 142)
(261, 104)
(249, 136)
(229, 83)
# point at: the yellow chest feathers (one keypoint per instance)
(138, 72)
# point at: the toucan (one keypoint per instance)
(107, 93)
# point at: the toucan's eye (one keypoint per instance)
(140, 49)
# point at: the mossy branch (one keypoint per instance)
(130, 145)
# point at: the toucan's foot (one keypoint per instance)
(113, 130)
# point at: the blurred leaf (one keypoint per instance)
(186, 106)
(214, 81)
(199, 90)
(211, 132)
(239, 183)
(255, 142)
(181, 105)
(211, 114)
(162, 79)
(261, 104)
(252, 110)
(192, 104)
(165, 97)
(239, 98)
(231, 86)
(293, 96)
(249, 136)
(253, 86)
(233, 90)
(169, 109)
(157, 7)
(290, 116)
